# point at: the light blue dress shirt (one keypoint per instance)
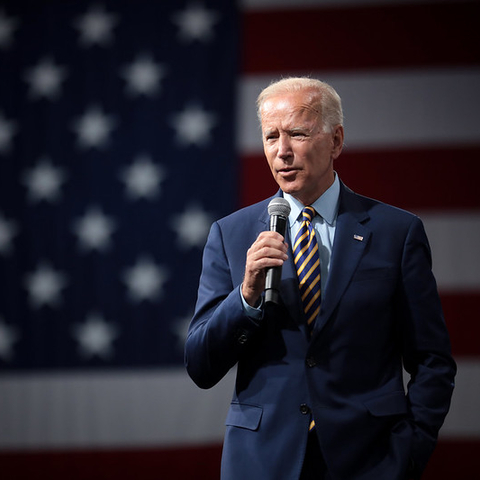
(324, 223)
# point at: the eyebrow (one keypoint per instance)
(301, 128)
(269, 131)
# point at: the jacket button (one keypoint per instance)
(311, 362)
(304, 409)
(242, 339)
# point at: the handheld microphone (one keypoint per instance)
(279, 209)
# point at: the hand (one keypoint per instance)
(268, 250)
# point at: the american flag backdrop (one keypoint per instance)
(126, 128)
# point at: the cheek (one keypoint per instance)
(268, 151)
(270, 163)
(270, 155)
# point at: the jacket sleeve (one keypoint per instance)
(426, 346)
(220, 330)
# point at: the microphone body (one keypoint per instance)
(279, 209)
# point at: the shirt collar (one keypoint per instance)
(326, 206)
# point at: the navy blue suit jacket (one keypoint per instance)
(380, 310)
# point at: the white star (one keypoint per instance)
(193, 126)
(8, 229)
(8, 336)
(95, 337)
(8, 129)
(143, 76)
(96, 27)
(94, 230)
(7, 26)
(142, 178)
(195, 23)
(43, 181)
(192, 227)
(145, 280)
(45, 79)
(44, 286)
(93, 128)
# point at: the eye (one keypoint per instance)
(298, 134)
(270, 136)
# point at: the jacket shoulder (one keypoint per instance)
(353, 201)
(255, 211)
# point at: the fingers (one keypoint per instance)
(268, 250)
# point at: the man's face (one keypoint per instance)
(299, 153)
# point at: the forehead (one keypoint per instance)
(288, 108)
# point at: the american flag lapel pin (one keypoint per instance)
(358, 237)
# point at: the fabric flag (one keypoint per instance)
(126, 128)
(117, 153)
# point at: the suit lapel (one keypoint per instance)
(351, 239)
(290, 292)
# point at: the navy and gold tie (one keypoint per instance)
(307, 263)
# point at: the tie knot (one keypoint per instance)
(308, 213)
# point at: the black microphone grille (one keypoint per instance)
(279, 206)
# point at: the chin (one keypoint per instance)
(290, 189)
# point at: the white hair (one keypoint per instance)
(322, 97)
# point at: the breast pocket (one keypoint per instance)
(244, 416)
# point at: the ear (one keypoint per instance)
(337, 141)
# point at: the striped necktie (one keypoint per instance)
(307, 264)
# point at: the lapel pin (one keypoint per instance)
(358, 237)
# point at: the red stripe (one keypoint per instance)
(443, 34)
(452, 460)
(462, 311)
(414, 179)
(436, 178)
(202, 463)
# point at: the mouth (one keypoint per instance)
(287, 171)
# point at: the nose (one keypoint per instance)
(284, 147)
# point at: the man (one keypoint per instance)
(321, 395)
